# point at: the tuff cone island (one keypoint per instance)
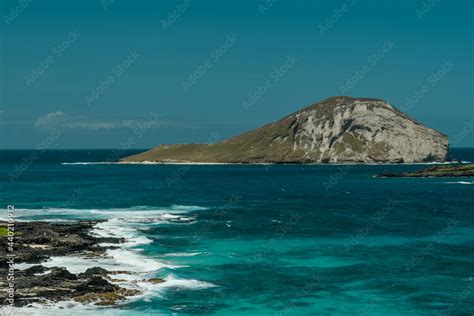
(335, 130)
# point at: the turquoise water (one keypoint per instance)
(263, 239)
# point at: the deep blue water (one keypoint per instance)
(261, 240)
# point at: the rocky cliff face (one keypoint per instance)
(335, 130)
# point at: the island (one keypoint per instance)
(335, 130)
(452, 171)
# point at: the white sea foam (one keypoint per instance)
(43, 273)
(70, 308)
(114, 260)
(173, 163)
(137, 262)
(460, 182)
(130, 224)
(183, 254)
(145, 163)
(118, 228)
(89, 163)
(172, 282)
(130, 213)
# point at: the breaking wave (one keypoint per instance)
(129, 266)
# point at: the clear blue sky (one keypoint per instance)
(209, 66)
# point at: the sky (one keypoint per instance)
(136, 74)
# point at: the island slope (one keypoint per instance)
(335, 130)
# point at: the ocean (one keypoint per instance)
(258, 239)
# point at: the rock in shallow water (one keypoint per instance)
(35, 242)
(156, 280)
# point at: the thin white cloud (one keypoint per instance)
(98, 125)
(50, 120)
(61, 119)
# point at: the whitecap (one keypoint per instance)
(113, 260)
(460, 182)
(172, 282)
(141, 212)
(183, 254)
(89, 163)
(117, 228)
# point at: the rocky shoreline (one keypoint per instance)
(448, 171)
(36, 242)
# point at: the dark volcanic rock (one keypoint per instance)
(95, 271)
(35, 270)
(59, 274)
(156, 280)
(35, 242)
(447, 171)
(61, 285)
